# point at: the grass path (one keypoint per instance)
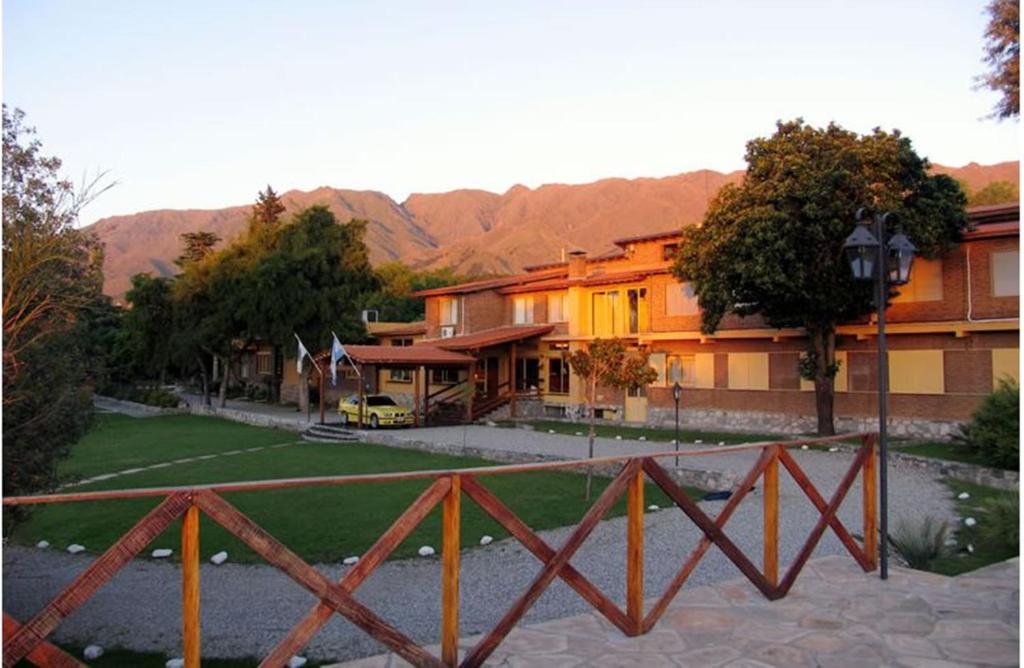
(322, 524)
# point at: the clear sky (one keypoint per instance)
(201, 104)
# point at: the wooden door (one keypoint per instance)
(636, 405)
(492, 376)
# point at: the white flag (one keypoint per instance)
(302, 354)
(337, 352)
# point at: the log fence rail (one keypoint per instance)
(448, 488)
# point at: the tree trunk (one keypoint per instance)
(591, 399)
(204, 374)
(304, 389)
(824, 343)
(222, 395)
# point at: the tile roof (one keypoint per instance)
(402, 355)
(397, 328)
(490, 283)
(490, 337)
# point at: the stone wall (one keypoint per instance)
(255, 419)
(782, 423)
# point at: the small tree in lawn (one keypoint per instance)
(607, 363)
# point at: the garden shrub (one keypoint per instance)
(920, 543)
(994, 430)
(999, 525)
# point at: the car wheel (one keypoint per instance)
(344, 419)
(374, 421)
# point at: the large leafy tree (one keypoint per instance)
(52, 280)
(1002, 54)
(312, 280)
(149, 325)
(607, 363)
(997, 192)
(266, 213)
(197, 245)
(394, 300)
(773, 246)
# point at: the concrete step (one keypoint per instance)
(328, 433)
(321, 439)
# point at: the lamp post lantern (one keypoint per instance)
(887, 261)
(677, 394)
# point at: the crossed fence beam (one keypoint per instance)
(28, 640)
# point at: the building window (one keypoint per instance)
(523, 310)
(264, 363)
(748, 371)
(604, 313)
(558, 376)
(449, 310)
(400, 375)
(350, 374)
(446, 376)
(1005, 365)
(527, 374)
(669, 251)
(401, 343)
(916, 372)
(637, 310)
(680, 299)
(558, 307)
(925, 283)
(1005, 274)
(682, 369)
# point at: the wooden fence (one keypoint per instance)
(28, 640)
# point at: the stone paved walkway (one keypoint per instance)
(835, 616)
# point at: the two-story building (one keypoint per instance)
(953, 333)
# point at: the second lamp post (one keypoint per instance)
(887, 261)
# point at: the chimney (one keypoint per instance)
(577, 263)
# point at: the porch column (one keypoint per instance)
(512, 381)
(362, 396)
(426, 394)
(471, 392)
(323, 390)
(416, 396)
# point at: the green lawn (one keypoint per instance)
(321, 524)
(119, 442)
(943, 450)
(651, 434)
(984, 554)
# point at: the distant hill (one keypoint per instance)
(474, 231)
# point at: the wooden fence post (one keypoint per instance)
(635, 552)
(451, 542)
(870, 493)
(190, 586)
(771, 518)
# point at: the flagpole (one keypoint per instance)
(303, 353)
(350, 360)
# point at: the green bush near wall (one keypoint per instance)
(993, 433)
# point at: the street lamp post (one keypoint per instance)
(677, 394)
(887, 261)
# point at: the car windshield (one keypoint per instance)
(380, 401)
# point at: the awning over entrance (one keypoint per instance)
(489, 337)
(402, 356)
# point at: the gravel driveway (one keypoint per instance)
(246, 609)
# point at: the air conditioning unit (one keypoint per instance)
(370, 315)
(448, 331)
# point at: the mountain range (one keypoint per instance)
(474, 231)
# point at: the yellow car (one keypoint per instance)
(379, 410)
